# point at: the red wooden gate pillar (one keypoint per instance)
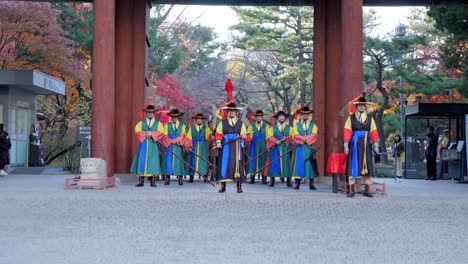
(103, 112)
(141, 14)
(123, 86)
(337, 68)
(319, 97)
(131, 67)
(351, 49)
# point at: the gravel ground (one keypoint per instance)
(418, 222)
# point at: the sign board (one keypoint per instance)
(49, 83)
(83, 133)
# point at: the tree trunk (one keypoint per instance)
(380, 111)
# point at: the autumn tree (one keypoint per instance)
(34, 36)
(181, 49)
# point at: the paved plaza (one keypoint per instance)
(418, 222)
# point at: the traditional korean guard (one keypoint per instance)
(200, 135)
(305, 134)
(230, 135)
(146, 162)
(257, 148)
(280, 140)
(175, 134)
(360, 136)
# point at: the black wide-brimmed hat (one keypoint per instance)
(361, 101)
(175, 113)
(150, 109)
(199, 116)
(306, 110)
(258, 113)
(279, 113)
(231, 106)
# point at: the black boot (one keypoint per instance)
(272, 182)
(223, 187)
(181, 180)
(367, 192)
(153, 181)
(282, 179)
(288, 182)
(141, 181)
(351, 191)
(298, 184)
(264, 179)
(191, 178)
(239, 187)
(252, 179)
(312, 184)
(167, 180)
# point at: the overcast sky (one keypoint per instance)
(221, 17)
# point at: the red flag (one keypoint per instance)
(229, 88)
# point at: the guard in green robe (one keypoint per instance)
(175, 132)
(199, 134)
(146, 162)
(305, 134)
(258, 131)
(279, 139)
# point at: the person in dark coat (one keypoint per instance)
(5, 146)
(431, 154)
(231, 132)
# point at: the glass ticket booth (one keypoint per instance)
(18, 92)
(449, 121)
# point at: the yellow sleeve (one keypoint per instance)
(372, 124)
(249, 129)
(294, 128)
(269, 131)
(138, 127)
(219, 129)
(160, 127)
(207, 133)
(348, 124)
(315, 129)
(292, 131)
(243, 130)
(189, 133)
(184, 130)
(165, 131)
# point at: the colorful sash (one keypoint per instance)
(355, 160)
(225, 161)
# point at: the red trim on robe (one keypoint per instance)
(374, 135)
(347, 134)
(219, 136)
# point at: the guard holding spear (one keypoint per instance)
(280, 139)
(199, 134)
(305, 134)
(257, 146)
(174, 132)
(230, 136)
